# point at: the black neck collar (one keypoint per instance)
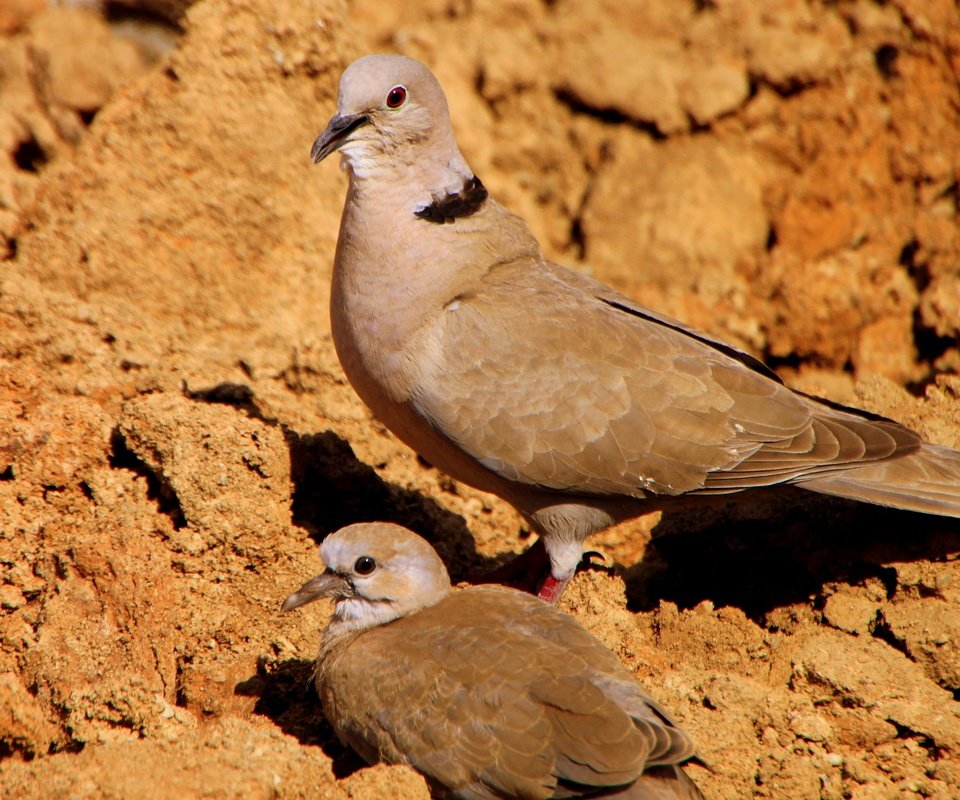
(451, 206)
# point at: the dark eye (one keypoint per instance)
(364, 565)
(396, 97)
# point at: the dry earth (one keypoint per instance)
(176, 433)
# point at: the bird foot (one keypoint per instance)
(589, 556)
(530, 572)
(551, 589)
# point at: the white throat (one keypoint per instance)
(422, 175)
(358, 613)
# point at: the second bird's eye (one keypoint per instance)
(364, 565)
(396, 97)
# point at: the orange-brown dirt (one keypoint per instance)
(177, 435)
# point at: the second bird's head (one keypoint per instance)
(376, 573)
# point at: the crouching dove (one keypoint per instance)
(486, 691)
(543, 386)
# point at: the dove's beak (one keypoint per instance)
(336, 134)
(326, 585)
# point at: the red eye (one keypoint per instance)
(396, 97)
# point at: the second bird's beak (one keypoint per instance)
(335, 134)
(325, 585)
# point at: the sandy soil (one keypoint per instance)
(177, 435)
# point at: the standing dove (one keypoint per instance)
(486, 691)
(543, 386)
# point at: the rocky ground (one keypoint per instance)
(177, 435)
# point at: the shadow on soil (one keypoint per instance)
(286, 695)
(783, 551)
(333, 488)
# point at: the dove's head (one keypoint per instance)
(391, 109)
(376, 572)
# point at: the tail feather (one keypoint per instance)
(927, 480)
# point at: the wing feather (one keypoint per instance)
(492, 693)
(550, 379)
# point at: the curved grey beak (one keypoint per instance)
(329, 583)
(335, 135)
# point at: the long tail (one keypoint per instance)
(927, 480)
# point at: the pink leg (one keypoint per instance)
(526, 571)
(530, 571)
(551, 589)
